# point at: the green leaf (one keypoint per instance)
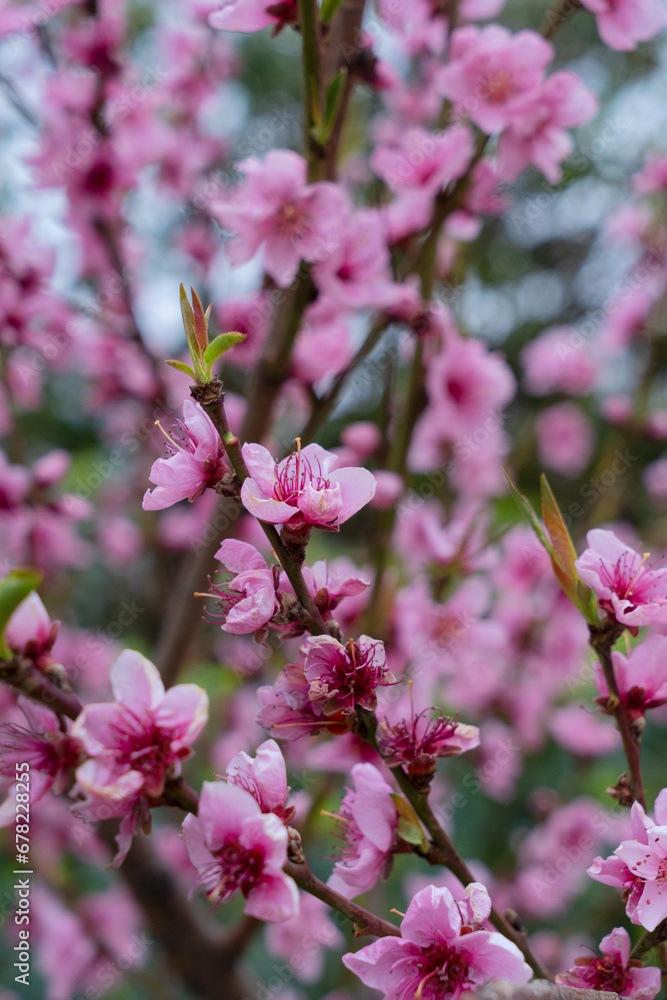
(328, 9)
(334, 97)
(14, 588)
(186, 369)
(526, 508)
(221, 344)
(408, 825)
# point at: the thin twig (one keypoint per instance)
(365, 921)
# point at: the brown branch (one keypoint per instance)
(537, 989)
(602, 639)
(365, 921)
(25, 678)
(442, 850)
(650, 940)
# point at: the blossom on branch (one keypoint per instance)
(628, 589)
(368, 822)
(442, 952)
(305, 489)
(196, 462)
(235, 846)
(135, 744)
(323, 688)
(615, 971)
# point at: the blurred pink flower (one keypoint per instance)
(537, 131)
(490, 69)
(624, 23)
(565, 438)
(253, 15)
(277, 208)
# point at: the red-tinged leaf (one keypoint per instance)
(200, 322)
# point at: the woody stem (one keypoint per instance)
(366, 922)
(443, 852)
(602, 638)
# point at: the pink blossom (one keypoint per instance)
(368, 821)
(624, 23)
(440, 954)
(581, 733)
(136, 743)
(340, 677)
(416, 743)
(639, 866)
(356, 273)
(30, 633)
(545, 886)
(50, 753)
(304, 489)
(466, 384)
(490, 69)
(322, 689)
(557, 361)
(194, 465)
(641, 677)
(537, 129)
(422, 160)
(322, 350)
(278, 209)
(235, 846)
(265, 777)
(253, 15)
(565, 439)
(248, 601)
(627, 588)
(615, 972)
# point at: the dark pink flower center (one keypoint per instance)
(630, 578)
(420, 737)
(227, 598)
(499, 87)
(295, 475)
(442, 973)
(143, 745)
(350, 676)
(238, 868)
(606, 974)
(50, 754)
(292, 221)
